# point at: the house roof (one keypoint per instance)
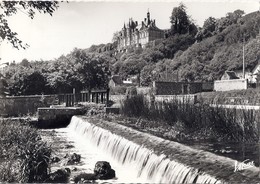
(256, 68)
(117, 79)
(231, 74)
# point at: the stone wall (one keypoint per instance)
(22, 105)
(57, 117)
(176, 88)
(227, 85)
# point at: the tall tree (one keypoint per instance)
(10, 8)
(25, 63)
(179, 20)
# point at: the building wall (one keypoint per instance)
(227, 85)
(22, 105)
(192, 98)
(175, 88)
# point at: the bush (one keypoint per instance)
(134, 106)
(231, 124)
(118, 90)
(24, 156)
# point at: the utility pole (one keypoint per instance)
(243, 57)
(166, 74)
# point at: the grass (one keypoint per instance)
(238, 97)
(24, 156)
(223, 123)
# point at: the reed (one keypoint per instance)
(232, 124)
(24, 156)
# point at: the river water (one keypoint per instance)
(133, 163)
(235, 150)
(90, 154)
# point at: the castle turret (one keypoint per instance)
(148, 17)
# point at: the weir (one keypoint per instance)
(156, 168)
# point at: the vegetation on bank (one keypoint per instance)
(24, 156)
(193, 121)
(237, 97)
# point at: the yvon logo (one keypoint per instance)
(243, 165)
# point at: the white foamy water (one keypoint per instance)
(133, 163)
(90, 154)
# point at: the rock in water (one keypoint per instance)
(59, 176)
(84, 177)
(104, 171)
(73, 159)
(55, 159)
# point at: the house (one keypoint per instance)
(250, 74)
(3, 67)
(230, 81)
(229, 75)
(128, 81)
(115, 81)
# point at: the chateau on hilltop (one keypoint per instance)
(138, 35)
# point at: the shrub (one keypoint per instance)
(134, 106)
(25, 157)
(118, 90)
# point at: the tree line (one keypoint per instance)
(187, 53)
(79, 70)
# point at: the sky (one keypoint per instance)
(84, 23)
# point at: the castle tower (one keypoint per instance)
(148, 17)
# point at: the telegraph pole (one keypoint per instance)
(166, 74)
(244, 57)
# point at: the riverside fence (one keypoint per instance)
(28, 105)
(95, 96)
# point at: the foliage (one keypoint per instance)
(239, 97)
(24, 156)
(9, 8)
(25, 81)
(118, 90)
(231, 124)
(80, 70)
(3, 87)
(180, 22)
(208, 59)
(208, 29)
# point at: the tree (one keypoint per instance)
(10, 8)
(179, 20)
(25, 63)
(208, 29)
(115, 35)
(233, 17)
(3, 86)
(210, 24)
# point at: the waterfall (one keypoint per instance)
(147, 164)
